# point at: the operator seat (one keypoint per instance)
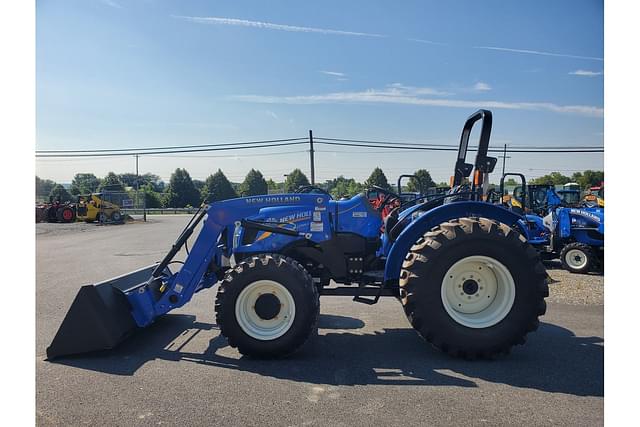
(393, 226)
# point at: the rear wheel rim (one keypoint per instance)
(478, 291)
(576, 259)
(67, 214)
(250, 321)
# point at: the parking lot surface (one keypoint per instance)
(366, 366)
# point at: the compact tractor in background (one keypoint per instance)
(54, 211)
(595, 196)
(466, 276)
(558, 229)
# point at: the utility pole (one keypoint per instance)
(144, 211)
(311, 159)
(504, 158)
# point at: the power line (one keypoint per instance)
(523, 147)
(348, 144)
(174, 147)
(168, 152)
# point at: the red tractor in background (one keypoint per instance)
(54, 211)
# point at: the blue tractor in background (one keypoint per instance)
(466, 276)
(559, 228)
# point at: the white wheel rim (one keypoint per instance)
(576, 258)
(478, 291)
(255, 326)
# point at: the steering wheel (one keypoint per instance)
(311, 189)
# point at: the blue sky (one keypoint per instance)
(115, 74)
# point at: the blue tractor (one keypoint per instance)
(467, 278)
(559, 228)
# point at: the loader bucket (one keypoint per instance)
(99, 317)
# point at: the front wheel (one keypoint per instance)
(473, 287)
(267, 306)
(116, 216)
(577, 258)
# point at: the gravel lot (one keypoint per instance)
(576, 289)
(365, 367)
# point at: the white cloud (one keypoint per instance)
(481, 87)
(333, 73)
(586, 73)
(408, 95)
(271, 26)
(428, 42)
(538, 52)
(402, 90)
(111, 3)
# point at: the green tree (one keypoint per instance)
(272, 185)
(217, 187)
(343, 187)
(152, 198)
(295, 179)
(588, 178)
(111, 182)
(254, 184)
(181, 191)
(425, 181)
(377, 178)
(84, 183)
(59, 193)
(198, 184)
(43, 188)
(554, 178)
(129, 179)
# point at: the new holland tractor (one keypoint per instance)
(468, 280)
(558, 229)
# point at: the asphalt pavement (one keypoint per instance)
(365, 367)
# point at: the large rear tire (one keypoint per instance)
(473, 287)
(267, 306)
(66, 214)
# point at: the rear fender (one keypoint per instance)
(436, 216)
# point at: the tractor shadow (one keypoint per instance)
(553, 360)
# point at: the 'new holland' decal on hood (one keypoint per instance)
(585, 214)
(273, 199)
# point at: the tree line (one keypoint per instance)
(183, 191)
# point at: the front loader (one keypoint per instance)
(462, 269)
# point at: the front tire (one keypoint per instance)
(116, 216)
(267, 306)
(577, 258)
(473, 287)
